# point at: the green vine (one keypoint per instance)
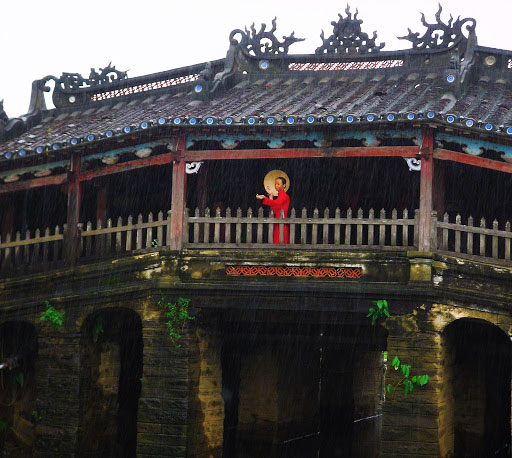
(379, 311)
(178, 315)
(97, 329)
(407, 380)
(20, 378)
(52, 316)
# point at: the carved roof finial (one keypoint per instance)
(348, 38)
(106, 75)
(262, 43)
(440, 35)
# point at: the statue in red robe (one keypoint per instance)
(281, 203)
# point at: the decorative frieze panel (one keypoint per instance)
(145, 87)
(473, 146)
(291, 271)
(407, 137)
(341, 66)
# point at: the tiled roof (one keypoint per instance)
(468, 86)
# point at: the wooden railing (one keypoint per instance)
(124, 236)
(306, 231)
(29, 249)
(340, 230)
(474, 241)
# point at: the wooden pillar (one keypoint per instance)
(101, 203)
(426, 200)
(73, 211)
(178, 196)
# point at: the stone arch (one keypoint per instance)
(18, 353)
(475, 402)
(110, 382)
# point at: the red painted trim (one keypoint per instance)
(178, 196)
(426, 199)
(161, 159)
(35, 183)
(446, 155)
(290, 153)
(73, 210)
(288, 271)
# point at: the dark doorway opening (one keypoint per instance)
(296, 390)
(18, 349)
(110, 383)
(477, 389)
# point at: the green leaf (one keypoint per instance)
(386, 313)
(422, 380)
(20, 378)
(98, 329)
(395, 363)
(389, 388)
(385, 355)
(413, 379)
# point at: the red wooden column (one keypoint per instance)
(73, 211)
(178, 196)
(426, 199)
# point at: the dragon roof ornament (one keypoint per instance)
(262, 43)
(347, 37)
(106, 75)
(440, 35)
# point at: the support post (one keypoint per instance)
(426, 201)
(73, 211)
(178, 196)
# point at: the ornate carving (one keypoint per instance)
(413, 164)
(108, 74)
(440, 35)
(290, 271)
(347, 37)
(193, 167)
(3, 120)
(262, 43)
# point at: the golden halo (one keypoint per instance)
(270, 178)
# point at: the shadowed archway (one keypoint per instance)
(475, 397)
(110, 383)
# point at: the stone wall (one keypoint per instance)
(181, 409)
(422, 424)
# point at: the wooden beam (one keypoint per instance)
(291, 153)
(161, 159)
(426, 200)
(463, 158)
(178, 197)
(73, 211)
(35, 183)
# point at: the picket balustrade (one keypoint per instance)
(254, 229)
(474, 241)
(388, 232)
